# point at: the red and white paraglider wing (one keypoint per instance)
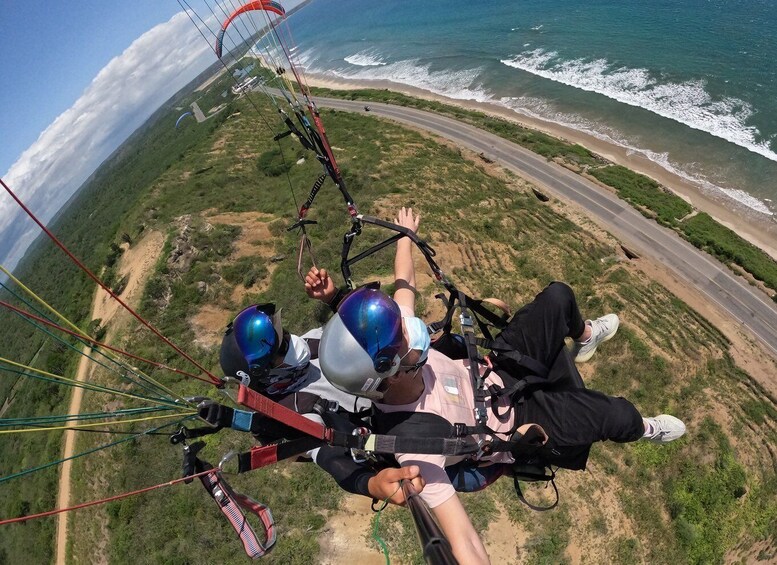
(266, 5)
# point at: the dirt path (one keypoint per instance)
(137, 262)
(63, 492)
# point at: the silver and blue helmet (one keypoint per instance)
(360, 345)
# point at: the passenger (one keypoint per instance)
(562, 420)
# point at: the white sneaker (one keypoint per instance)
(602, 329)
(666, 428)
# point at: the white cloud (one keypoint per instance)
(119, 99)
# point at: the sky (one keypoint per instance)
(79, 77)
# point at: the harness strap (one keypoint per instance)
(235, 506)
(472, 354)
(519, 493)
(259, 403)
(295, 130)
(264, 405)
(261, 456)
(483, 316)
(313, 192)
(369, 442)
(426, 250)
(426, 445)
(505, 350)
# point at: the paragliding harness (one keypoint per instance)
(504, 358)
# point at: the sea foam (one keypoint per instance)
(541, 109)
(463, 85)
(685, 102)
(459, 85)
(368, 58)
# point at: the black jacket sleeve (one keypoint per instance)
(351, 476)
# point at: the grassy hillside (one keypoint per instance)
(96, 219)
(707, 498)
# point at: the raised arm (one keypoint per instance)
(404, 270)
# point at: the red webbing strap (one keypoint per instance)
(232, 505)
(263, 405)
(262, 456)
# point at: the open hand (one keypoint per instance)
(406, 219)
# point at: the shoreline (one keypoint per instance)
(752, 226)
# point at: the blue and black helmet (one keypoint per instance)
(360, 344)
(251, 342)
(259, 335)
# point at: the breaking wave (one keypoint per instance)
(365, 59)
(685, 102)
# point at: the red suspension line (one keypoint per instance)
(104, 500)
(213, 379)
(98, 343)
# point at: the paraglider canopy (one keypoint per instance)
(266, 5)
(181, 117)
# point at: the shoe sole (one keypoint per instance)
(590, 354)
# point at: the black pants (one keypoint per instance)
(572, 416)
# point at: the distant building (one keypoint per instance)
(198, 115)
(245, 85)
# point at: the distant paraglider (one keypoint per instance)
(181, 117)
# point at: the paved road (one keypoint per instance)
(747, 305)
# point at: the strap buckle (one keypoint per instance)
(460, 430)
(466, 321)
(226, 459)
(323, 405)
(220, 496)
(484, 448)
(179, 436)
(361, 455)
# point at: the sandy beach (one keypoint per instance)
(759, 229)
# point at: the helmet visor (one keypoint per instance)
(371, 317)
(256, 337)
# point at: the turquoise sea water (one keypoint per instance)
(691, 84)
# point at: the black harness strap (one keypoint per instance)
(475, 360)
(449, 447)
(261, 456)
(303, 139)
(501, 349)
(311, 196)
(523, 475)
(360, 219)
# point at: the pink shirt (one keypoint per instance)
(447, 393)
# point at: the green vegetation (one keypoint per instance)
(246, 271)
(705, 233)
(707, 498)
(644, 193)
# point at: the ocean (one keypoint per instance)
(689, 84)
